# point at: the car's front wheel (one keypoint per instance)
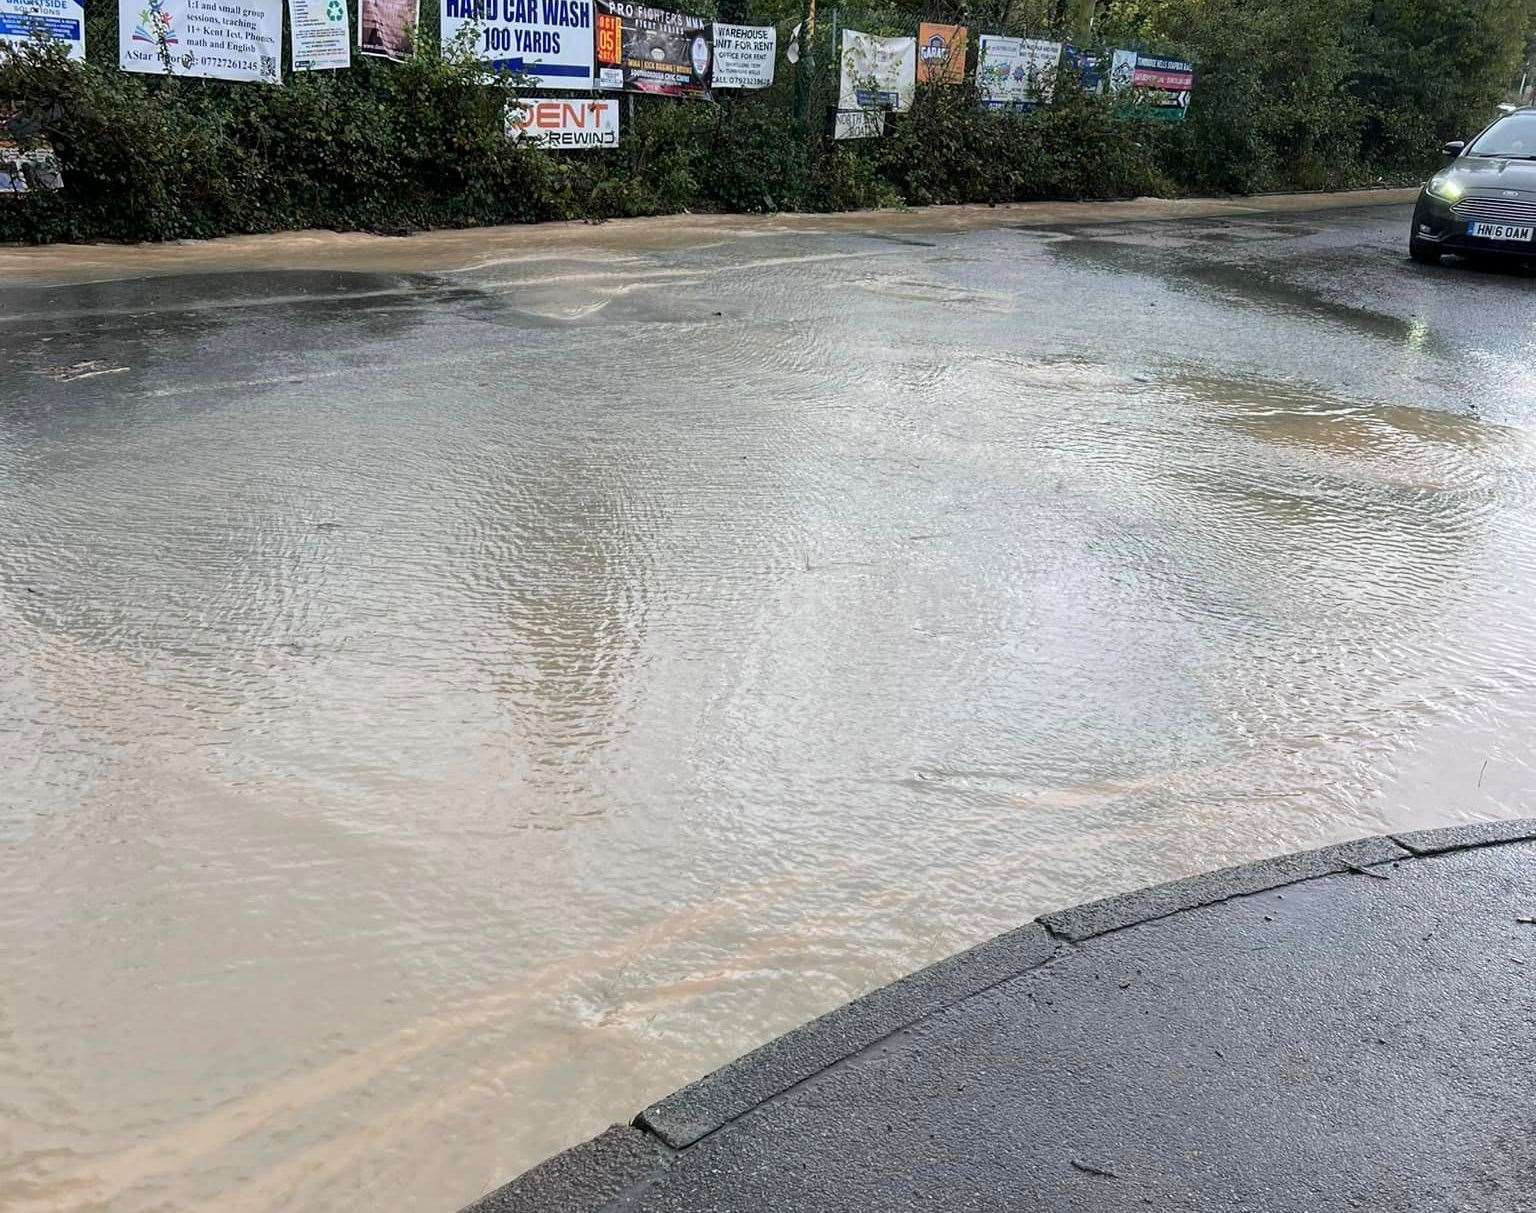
(1424, 253)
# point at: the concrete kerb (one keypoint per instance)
(624, 1158)
(715, 1100)
(1208, 888)
(589, 1176)
(1461, 838)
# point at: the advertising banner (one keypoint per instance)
(320, 35)
(940, 54)
(877, 73)
(1017, 73)
(21, 172)
(1089, 68)
(1122, 71)
(57, 20)
(215, 39)
(550, 41)
(1163, 87)
(858, 124)
(565, 123)
(744, 55)
(651, 50)
(386, 28)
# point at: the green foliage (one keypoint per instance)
(757, 162)
(655, 169)
(382, 145)
(844, 180)
(1326, 93)
(1289, 94)
(1431, 70)
(948, 149)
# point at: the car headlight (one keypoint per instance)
(1445, 188)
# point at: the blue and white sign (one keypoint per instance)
(1016, 73)
(549, 41)
(57, 20)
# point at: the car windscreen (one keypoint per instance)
(1513, 137)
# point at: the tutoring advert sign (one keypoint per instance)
(744, 55)
(876, 73)
(1016, 73)
(940, 54)
(60, 21)
(321, 36)
(214, 39)
(565, 123)
(651, 50)
(549, 41)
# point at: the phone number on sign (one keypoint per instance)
(231, 65)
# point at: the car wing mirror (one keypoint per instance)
(1454, 148)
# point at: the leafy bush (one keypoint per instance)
(843, 180)
(414, 144)
(654, 170)
(1319, 94)
(1289, 94)
(757, 160)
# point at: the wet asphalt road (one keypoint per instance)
(446, 712)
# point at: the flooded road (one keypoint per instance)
(442, 713)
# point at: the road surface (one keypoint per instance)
(1345, 1028)
(456, 695)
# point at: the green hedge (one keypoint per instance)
(1289, 93)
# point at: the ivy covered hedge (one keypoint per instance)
(1289, 93)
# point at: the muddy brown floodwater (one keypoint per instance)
(443, 712)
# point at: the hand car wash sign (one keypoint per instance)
(550, 41)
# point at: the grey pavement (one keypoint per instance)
(1348, 1028)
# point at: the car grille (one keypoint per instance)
(1497, 210)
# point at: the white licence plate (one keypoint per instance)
(1499, 231)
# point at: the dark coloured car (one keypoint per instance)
(1483, 202)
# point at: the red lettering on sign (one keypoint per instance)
(561, 115)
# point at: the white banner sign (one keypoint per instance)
(565, 123)
(1016, 73)
(218, 39)
(858, 124)
(877, 73)
(744, 55)
(549, 41)
(321, 38)
(1122, 72)
(21, 172)
(56, 20)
